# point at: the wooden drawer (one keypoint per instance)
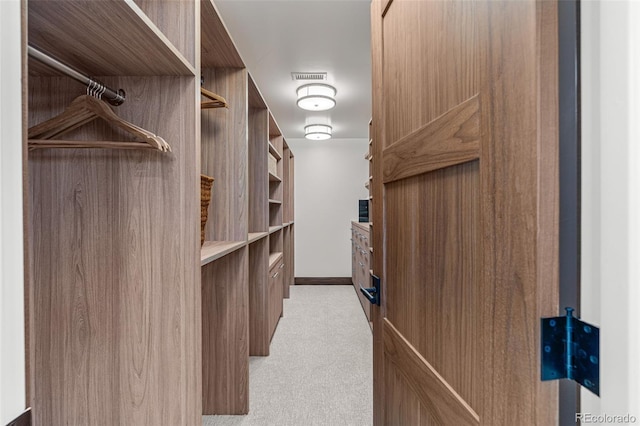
(360, 258)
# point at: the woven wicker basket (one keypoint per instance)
(205, 197)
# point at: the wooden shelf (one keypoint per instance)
(274, 257)
(218, 49)
(273, 229)
(274, 130)
(255, 97)
(255, 236)
(273, 151)
(126, 42)
(274, 201)
(274, 178)
(212, 250)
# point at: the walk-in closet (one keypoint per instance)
(139, 312)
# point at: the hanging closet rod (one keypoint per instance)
(113, 97)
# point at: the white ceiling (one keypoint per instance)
(277, 37)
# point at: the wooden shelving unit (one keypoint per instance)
(122, 294)
(127, 41)
(255, 236)
(274, 178)
(213, 250)
(114, 300)
(274, 258)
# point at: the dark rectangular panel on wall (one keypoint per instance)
(569, 155)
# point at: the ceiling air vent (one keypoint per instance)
(297, 76)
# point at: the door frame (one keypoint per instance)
(610, 191)
(569, 159)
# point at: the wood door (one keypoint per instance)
(465, 210)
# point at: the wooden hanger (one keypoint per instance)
(216, 101)
(83, 110)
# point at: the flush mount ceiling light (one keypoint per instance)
(316, 97)
(317, 132)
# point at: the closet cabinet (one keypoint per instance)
(270, 247)
(114, 306)
(129, 319)
(360, 263)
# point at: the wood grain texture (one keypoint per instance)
(431, 222)
(275, 296)
(218, 49)
(292, 185)
(438, 214)
(275, 214)
(274, 258)
(450, 139)
(445, 405)
(274, 130)
(255, 99)
(224, 155)
(116, 302)
(286, 187)
(520, 178)
(225, 335)
(81, 111)
(286, 241)
(26, 208)
(258, 183)
(548, 195)
(214, 250)
(259, 337)
(273, 229)
(376, 189)
(406, 406)
(473, 246)
(178, 21)
(255, 236)
(276, 182)
(275, 241)
(434, 72)
(361, 263)
(117, 37)
(362, 226)
(291, 259)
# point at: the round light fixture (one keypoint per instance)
(316, 97)
(317, 132)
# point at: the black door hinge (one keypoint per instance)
(571, 350)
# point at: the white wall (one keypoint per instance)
(611, 199)
(12, 365)
(329, 181)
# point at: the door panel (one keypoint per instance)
(432, 295)
(465, 210)
(430, 62)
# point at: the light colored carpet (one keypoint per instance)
(319, 371)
